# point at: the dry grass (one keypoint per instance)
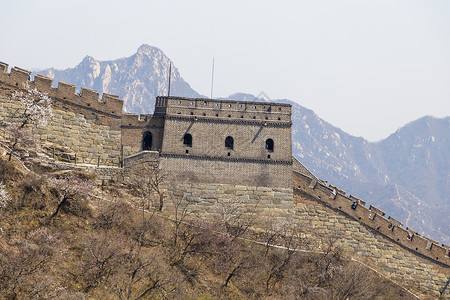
(109, 250)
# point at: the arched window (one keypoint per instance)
(229, 142)
(269, 145)
(187, 140)
(147, 139)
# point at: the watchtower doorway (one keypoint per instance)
(147, 139)
(269, 145)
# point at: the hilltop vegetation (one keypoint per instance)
(57, 241)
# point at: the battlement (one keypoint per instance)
(203, 108)
(109, 105)
(377, 211)
(357, 200)
(373, 218)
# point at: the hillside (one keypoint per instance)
(58, 241)
(407, 174)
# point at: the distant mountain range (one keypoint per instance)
(407, 174)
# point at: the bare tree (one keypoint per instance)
(328, 261)
(352, 281)
(69, 188)
(238, 217)
(280, 260)
(150, 183)
(243, 260)
(19, 136)
(36, 108)
(155, 182)
(181, 212)
(138, 277)
(26, 266)
(102, 257)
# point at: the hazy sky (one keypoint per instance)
(367, 67)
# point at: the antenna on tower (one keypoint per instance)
(170, 73)
(212, 79)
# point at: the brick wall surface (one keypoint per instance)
(133, 129)
(189, 169)
(208, 139)
(210, 123)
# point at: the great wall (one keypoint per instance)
(95, 134)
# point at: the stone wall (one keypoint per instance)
(142, 158)
(95, 129)
(298, 167)
(82, 124)
(214, 199)
(90, 130)
(320, 225)
(424, 270)
(373, 218)
(71, 132)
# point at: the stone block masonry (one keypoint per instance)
(82, 124)
(213, 200)
(418, 274)
(72, 132)
(320, 225)
(134, 127)
(372, 218)
(109, 107)
(197, 169)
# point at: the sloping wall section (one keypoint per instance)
(364, 233)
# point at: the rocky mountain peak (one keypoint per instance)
(137, 79)
(88, 63)
(150, 51)
(88, 59)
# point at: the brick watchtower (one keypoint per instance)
(223, 141)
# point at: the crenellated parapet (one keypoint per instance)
(371, 217)
(224, 110)
(109, 105)
(133, 120)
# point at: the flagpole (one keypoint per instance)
(212, 79)
(170, 73)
